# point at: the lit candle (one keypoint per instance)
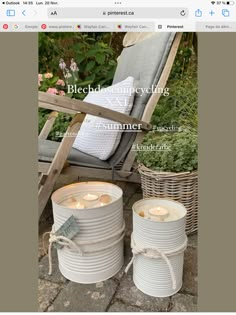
(90, 197)
(80, 205)
(159, 212)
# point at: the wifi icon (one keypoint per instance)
(213, 2)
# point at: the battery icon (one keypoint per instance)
(230, 2)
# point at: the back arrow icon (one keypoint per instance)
(23, 12)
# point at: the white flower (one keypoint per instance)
(68, 75)
(73, 65)
(62, 64)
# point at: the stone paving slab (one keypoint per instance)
(85, 297)
(45, 226)
(190, 271)
(128, 222)
(193, 240)
(121, 307)
(135, 197)
(41, 252)
(56, 276)
(127, 298)
(183, 303)
(131, 296)
(47, 292)
(127, 258)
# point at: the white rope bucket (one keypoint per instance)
(158, 245)
(97, 251)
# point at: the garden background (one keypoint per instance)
(90, 59)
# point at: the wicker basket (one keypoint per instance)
(182, 187)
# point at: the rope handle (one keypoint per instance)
(64, 241)
(152, 252)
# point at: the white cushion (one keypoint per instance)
(94, 137)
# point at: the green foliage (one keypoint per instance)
(49, 51)
(92, 52)
(94, 56)
(96, 62)
(180, 108)
(184, 57)
(59, 127)
(181, 156)
(47, 83)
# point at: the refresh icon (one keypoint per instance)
(182, 13)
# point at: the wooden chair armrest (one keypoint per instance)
(73, 106)
(48, 125)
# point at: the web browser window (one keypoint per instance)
(118, 124)
(78, 16)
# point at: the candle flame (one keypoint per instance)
(79, 205)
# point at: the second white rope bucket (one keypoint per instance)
(97, 251)
(158, 244)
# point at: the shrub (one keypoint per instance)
(181, 157)
(186, 55)
(53, 85)
(180, 108)
(59, 127)
(92, 52)
(95, 61)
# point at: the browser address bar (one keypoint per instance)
(135, 13)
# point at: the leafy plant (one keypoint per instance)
(89, 60)
(180, 108)
(179, 153)
(59, 127)
(96, 63)
(50, 51)
(92, 52)
(185, 56)
(51, 84)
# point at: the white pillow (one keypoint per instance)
(96, 137)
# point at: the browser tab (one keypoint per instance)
(30, 27)
(137, 27)
(96, 27)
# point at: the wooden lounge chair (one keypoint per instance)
(149, 60)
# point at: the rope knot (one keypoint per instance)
(64, 241)
(61, 240)
(156, 253)
(52, 238)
